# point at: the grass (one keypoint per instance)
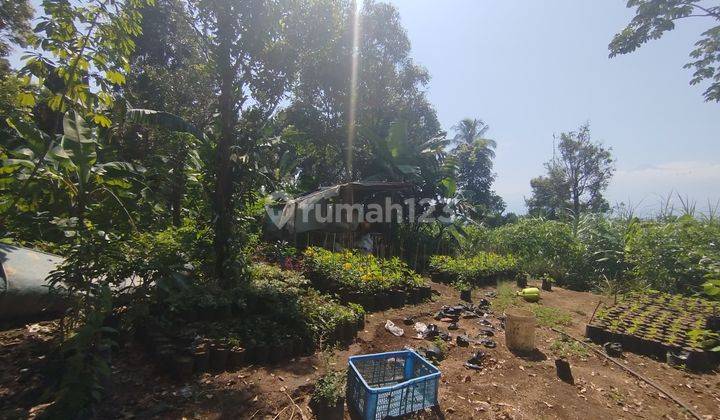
(506, 297)
(564, 346)
(546, 316)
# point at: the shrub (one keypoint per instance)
(541, 247)
(287, 298)
(567, 347)
(330, 388)
(415, 243)
(481, 268)
(711, 287)
(672, 256)
(325, 317)
(352, 272)
(603, 240)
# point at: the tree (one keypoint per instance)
(550, 194)
(575, 180)
(470, 130)
(172, 72)
(474, 156)
(15, 28)
(655, 17)
(389, 90)
(252, 72)
(81, 56)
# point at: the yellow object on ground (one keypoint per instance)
(530, 294)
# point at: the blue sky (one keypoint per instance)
(534, 68)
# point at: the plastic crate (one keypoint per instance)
(391, 384)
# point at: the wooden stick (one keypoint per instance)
(302, 414)
(281, 411)
(633, 373)
(596, 308)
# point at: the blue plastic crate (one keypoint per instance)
(391, 384)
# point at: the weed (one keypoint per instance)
(565, 347)
(506, 297)
(548, 316)
(442, 345)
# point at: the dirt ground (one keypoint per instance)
(508, 387)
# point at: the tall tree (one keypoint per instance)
(655, 17)
(474, 156)
(575, 179)
(550, 194)
(15, 28)
(390, 89)
(468, 130)
(252, 72)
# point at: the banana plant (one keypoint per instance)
(269, 160)
(425, 164)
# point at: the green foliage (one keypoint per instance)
(15, 27)
(153, 256)
(474, 155)
(85, 280)
(653, 18)
(163, 120)
(567, 347)
(72, 173)
(549, 316)
(86, 41)
(443, 347)
(330, 388)
(356, 272)
(604, 241)
(475, 270)
(506, 297)
(667, 256)
(541, 247)
(711, 288)
(576, 178)
(278, 251)
(86, 364)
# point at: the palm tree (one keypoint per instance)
(469, 130)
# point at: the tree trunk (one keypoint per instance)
(228, 121)
(576, 201)
(178, 184)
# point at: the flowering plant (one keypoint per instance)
(473, 270)
(350, 271)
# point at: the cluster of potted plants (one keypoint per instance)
(482, 268)
(274, 316)
(188, 353)
(360, 278)
(658, 324)
(331, 322)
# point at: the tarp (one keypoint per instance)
(300, 215)
(23, 282)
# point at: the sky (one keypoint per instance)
(531, 69)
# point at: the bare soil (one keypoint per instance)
(509, 386)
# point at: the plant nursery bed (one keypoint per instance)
(373, 283)
(661, 325)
